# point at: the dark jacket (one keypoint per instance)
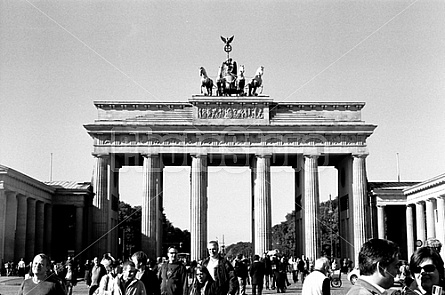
(151, 282)
(225, 279)
(173, 278)
(257, 271)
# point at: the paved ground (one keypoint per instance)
(10, 286)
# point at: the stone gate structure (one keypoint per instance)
(255, 131)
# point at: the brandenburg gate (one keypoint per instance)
(254, 131)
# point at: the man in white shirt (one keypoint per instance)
(317, 283)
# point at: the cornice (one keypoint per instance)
(425, 185)
(23, 178)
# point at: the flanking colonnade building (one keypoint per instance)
(256, 132)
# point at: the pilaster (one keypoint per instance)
(262, 204)
(198, 206)
(311, 204)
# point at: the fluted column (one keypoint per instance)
(79, 229)
(409, 230)
(20, 235)
(198, 207)
(430, 222)
(420, 222)
(381, 222)
(440, 230)
(48, 229)
(262, 207)
(311, 205)
(100, 202)
(40, 226)
(150, 198)
(30, 229)
(10, 224)
(359, 202)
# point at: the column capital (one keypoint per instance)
(362, 156)
(314, 156)
(101, 155)
(200, 155)
(263, 155)
(381, 206)
(420, 203)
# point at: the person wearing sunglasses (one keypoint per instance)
(427, 268)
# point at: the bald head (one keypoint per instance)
(322, 264)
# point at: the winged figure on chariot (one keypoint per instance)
(230, 78)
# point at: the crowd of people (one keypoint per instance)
(378, 262)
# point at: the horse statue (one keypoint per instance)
(206, 82)
(240, 81)
(256, 82)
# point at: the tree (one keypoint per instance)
(284, 236)
(129, 228)
(130, 232)
(244, 248)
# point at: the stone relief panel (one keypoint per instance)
(226, 112)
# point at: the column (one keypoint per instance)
(150, 197)
(430, 222)
(381, 222)
(311, 204)
(440, 230)
(100, 203)
(3, 203)
(20, 234)
(409, 230)
(299, 218)
(79, 230)
(48, 229)
(30, 229)
(359, 201)
(420, 222)
(198, 207)
(11, 224)
(40, 227)
(262, 206)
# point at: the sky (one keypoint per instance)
(58, 57)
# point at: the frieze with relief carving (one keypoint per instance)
(230, 139)
(226, 112)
